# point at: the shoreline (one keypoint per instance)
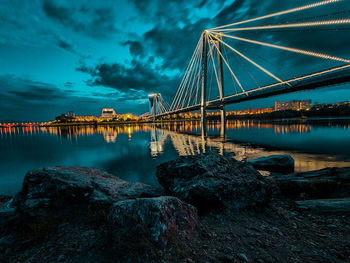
(209, 119)
(297, 119)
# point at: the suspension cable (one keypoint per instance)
(295, 50)
(178, 90)
(229, 68)
(251, 61)
(291, 25)
(297, 9)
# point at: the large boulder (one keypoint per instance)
(213, 180)
(274, 163)
(59, 187)
(165, 217)
(325, 183)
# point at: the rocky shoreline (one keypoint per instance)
(210, 208)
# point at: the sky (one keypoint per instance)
(83, 55)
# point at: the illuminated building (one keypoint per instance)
(293, 105)
(108, 113)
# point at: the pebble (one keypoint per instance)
(243, 257)
(60, 258)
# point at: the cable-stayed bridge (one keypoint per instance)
(221, 73)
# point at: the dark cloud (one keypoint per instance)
(135, 47)
(27, 100)
(69, 47)
(65, 45)
(96, 23)
(138, 76)
(56, 12)
(23, 99)
(16, 89)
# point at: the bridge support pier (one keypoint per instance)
(204, 84)
(222, 122)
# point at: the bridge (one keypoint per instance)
(215, 51)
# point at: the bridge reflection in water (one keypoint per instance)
(185, 137)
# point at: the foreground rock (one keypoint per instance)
(325, 183)
(212, 180)
(274, 163)
(165, 217)
(326, 206)
(61, 187)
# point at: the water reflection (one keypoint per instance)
(184, 136)
(110, 133)
(313, 144)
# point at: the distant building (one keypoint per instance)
(292, 105)
(69, 116)
(108, 113)
(250, 111)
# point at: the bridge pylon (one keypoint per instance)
(153, 104)
(204, 83)
(221, 85)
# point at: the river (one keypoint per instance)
(133, 152)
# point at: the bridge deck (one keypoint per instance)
(316, 80)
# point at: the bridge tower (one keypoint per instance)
(153, 104)
(221, 86)
(204, 82)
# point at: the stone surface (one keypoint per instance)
(164, 216)
(211, 180)
(58, 187)
(325, 183)
(326, 206)
(274, 163)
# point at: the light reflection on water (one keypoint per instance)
(132, 152)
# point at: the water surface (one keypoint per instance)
(132, 152)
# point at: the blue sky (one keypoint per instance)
(83, 55)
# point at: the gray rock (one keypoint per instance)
(325, 183)
(274, 163)
(61, 187)
(212, 180)
(326, 206)
(163, 216)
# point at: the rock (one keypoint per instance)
(325, 183)
(212, 180)
(243, 257)
(59, 187)
(274, 163)
(7, 206)
(326, 206)
(163, 216)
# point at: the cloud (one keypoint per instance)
(17, 89)
(136, 49)
(96, 23)
(133, 78)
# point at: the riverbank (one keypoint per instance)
(210, 209)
